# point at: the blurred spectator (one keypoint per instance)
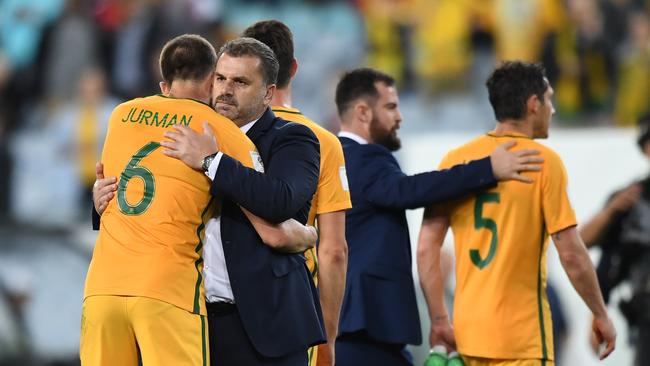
(80, 128)
(70, 46)
(520, 27)
(442, 43)
(580, 60)
(15, 293)
(388, 27)
(21, 27)
(633, 96)
(622, 230)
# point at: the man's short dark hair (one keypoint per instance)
(510, 86)
(187, 57)
(246, 46)
(359, 83)
(279, 38)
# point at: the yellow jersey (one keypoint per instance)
(151, 235)
(501, 238)
(332, 193)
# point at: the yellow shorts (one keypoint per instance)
(478, 361)
(115, 328)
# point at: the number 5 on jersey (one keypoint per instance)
(481, 222)
(132, 170)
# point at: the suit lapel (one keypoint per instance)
(261, 126)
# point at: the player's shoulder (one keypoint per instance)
(461, 154)
(296, 116)
(546, 152)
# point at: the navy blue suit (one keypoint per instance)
(275, 296)
(379, 304)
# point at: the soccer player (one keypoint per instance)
(332, 196)
(501, 313)
(144, 290)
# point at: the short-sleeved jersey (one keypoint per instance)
(501, 239)
(332, 193)
(151, 235)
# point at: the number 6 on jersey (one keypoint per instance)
(133, 170)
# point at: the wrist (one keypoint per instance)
(206, 161)
(439, 318)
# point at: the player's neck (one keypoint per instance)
(282, 97)
(188, 90)
(511, 126)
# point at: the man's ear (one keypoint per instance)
(533, 104)
(164, 87)
(270, 90)
(362, 111)
(294, 68)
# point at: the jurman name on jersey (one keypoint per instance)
(154, 119)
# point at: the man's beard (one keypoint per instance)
(388, 139)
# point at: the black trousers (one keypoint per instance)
(230, 346)
(356, 349)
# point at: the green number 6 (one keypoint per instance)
(479, 223)
(132, 170)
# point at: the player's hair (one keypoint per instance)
(187, 57)
(279, 38)
(246, 46)
(510, 86)
(359, 83)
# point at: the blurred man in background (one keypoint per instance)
(622, 230)
(501, 311)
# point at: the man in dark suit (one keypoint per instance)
(263, 308)
(379, 314)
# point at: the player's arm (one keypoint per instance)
(332, 268)
(289, 236)
(620, 202)
(103, 191)
(432, 235)
(577, 264)
(392, 188)
(288, 185)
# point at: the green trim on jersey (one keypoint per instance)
(282, 110)
(540, 308)
(199, 247)
(492, 134)
(204, 350)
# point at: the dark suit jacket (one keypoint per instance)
(379, 292)
(275, 295)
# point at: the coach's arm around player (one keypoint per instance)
(289, 236)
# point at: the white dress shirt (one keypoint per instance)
(215, 272)
(353, 136)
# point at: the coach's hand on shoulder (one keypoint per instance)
(103, 189)
(189, 146)
(508, 165)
